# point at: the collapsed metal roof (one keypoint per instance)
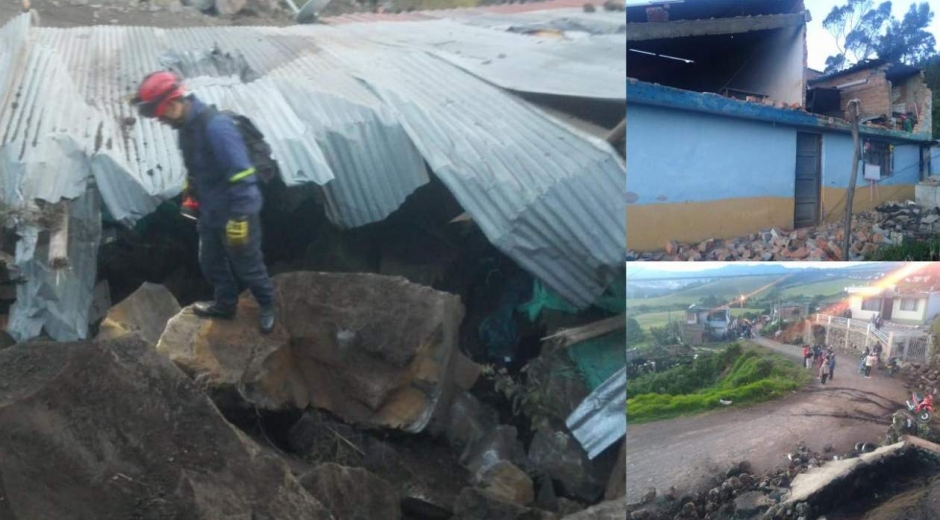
(362, 119)
(600, 420)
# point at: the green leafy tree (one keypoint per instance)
(856, 26)
(667, 335)
(709, 301)
(635, 333)
(907, 40)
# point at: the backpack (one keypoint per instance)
(259, 151)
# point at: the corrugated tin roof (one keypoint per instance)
(600, 420)
(359, 118)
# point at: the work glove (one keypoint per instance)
(236, 231)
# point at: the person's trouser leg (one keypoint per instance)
(215, 266)
(248, 263)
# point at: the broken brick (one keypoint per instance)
(671, 247)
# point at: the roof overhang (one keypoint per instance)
(642, 93)
(717, 26)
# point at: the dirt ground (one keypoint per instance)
(687, 452)
(59, 13)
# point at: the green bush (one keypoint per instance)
(741, 376)
(921, 251)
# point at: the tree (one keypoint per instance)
(635, 333)
(856, 28)
(709, 301)
(667, 335)
(863, 31)
(907, 40)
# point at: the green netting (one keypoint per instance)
(544, 298)
(614, 300)
(599, 358)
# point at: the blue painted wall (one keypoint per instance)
(935, 160)
(837, 163)
(678, 156)
(692, 157)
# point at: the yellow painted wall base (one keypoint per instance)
(864, 200)
(650, 226)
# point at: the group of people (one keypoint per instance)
(822, 360)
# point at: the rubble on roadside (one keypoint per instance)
(892, 223)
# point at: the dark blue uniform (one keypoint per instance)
(217, 160)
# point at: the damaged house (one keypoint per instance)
(360, 117)
(725, 122)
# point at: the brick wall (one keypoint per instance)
(875, 95)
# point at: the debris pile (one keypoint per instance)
(355, 394)
(922, 379)
(891, 223)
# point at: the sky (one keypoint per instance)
(820, 44)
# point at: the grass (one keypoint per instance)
(659, 319)
(923, 251)
(728, 290)
(742, 375)
(823, 288)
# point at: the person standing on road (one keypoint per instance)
(869, 363)
(862, 360)
(824, 370)
(806, 356)
(832, 365)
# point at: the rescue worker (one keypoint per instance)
(229, 198)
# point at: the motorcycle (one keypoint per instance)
(921, 406)
(892, 367)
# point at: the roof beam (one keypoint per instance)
(683, 28)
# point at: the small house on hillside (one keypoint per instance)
(729, 133)
(703, 323)
(791, 311)
(911, 308)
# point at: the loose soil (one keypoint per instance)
(687, 453)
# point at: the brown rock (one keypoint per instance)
(799, 254)
(610, 510)
(475, 504)
(507, 482)
(146, 312)
(878, 238)
(836, 251)
(672, 247)
(339, 346)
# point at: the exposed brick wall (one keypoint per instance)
(875, 96)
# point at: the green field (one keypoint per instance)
(742, 375)
(824, 288)
(658, 319)
(728, 290)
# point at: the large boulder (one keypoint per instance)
(373, 350)
(507, 482)
(113, 430)
(146, 312)
(352, 493)
(558, 454)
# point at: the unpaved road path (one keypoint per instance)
(688, 452)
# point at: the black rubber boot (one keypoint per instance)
(213, 310)
(267, 319)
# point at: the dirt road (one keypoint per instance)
(687, 452)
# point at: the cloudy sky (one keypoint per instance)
(820, 44)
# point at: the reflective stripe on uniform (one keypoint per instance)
(242, 175)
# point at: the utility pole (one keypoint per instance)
(854, 113)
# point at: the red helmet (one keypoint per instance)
(156, 91)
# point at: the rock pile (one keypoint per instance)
(890, 223)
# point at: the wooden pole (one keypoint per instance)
(618, 133)
(853, 109)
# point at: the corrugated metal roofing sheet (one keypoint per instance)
(362, 119)
(601, 419)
